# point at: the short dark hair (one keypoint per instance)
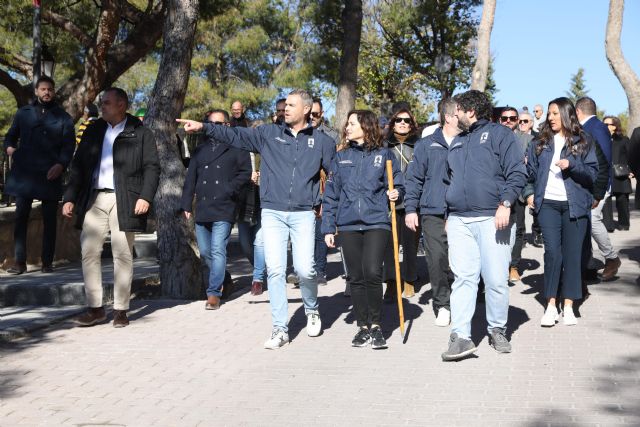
(586, 105)
(45, 79)
(281, 100)
(474, 100)
(219, 111)
(119, 93)
(317, 100)
(400, 105)
(509, 108)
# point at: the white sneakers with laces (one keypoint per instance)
(314, 324)
(278, 339)
(443, 318)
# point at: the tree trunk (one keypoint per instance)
(179, 264)
(352, 27)
(479, 75)
(621, 68)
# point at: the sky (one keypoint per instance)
(539, 44)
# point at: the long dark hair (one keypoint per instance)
(617, 123)
(570, 128)
(369, 124)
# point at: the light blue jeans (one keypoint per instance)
(476, 247)
(212, 240)
(277, 226)
(252, 244)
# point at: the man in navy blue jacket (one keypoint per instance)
(486, 175)
(425, 195)
(292, 154)
(217, 173)
(586, 112)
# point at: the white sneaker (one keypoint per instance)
(568, 318)
(550, 317)
(277, 340)
(314, 324)
(444, 317)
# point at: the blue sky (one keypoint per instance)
(538, 45)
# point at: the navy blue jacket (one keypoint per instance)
(578, 177)
(485, 168)
(289, 166)
(216, 178)
(355, 196)
(42, 140)
(425, 176)
(602, 136)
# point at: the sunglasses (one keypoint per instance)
(524, 121)
(610, 124)
(407, 120)
(316, 114)
(215, 123)
(509, 118)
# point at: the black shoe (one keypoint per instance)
(390, 294)
(321, 279)
(362, 338)
(19, 268)
(537, 240)
(47, 269)
(377, 339)
(590, 274)
(459, 348)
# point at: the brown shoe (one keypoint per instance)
(256, 288)
(91, 317)
(19, 268)
(611, 267)
(514, 276)
(213, 303)
(409, 290)
(120, 319)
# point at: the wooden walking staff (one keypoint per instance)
(396, 256)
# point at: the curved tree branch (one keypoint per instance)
(16, 62)
(21, 93)
(67, 25)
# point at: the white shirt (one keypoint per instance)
(449, 139)
(555, 189)
(537, 123)
(429, 130)
(104, 177)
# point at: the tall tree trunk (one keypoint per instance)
(479, 75)
(352, 29)
(621, 68)
(179, 264)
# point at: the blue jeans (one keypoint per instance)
(476, 247)
(252, 245)
(212, 241)
(277, 226)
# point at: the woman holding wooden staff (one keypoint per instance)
(356, 205)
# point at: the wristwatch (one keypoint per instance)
(506, 204)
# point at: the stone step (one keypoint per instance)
(65, 287)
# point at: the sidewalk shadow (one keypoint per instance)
(536, 286)
(331, 309)
(516, 318)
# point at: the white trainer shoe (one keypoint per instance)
(314, 324)
(277, 340)
(443, 318)
(550, 317)
(568, 318)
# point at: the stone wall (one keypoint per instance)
(67, 241)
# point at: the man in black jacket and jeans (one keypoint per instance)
(114, 177)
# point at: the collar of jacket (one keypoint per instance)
(308, 129)
(130, 126)
(438, 136)
(477, 125)
(392, 141)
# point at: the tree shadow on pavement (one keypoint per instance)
(536, 286)
(331, 309)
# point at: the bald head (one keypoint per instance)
(237, 109)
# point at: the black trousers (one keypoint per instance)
(363, 254)
(563, 239)
(23, 210)
(607, 215)
(409, 241)
(518, 211)
(622, 206)
(437, 256)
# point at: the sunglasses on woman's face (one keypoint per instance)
(407, 120)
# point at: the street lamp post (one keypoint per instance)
(37, 42)
(443, 64)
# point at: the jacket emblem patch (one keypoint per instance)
(280, 139)
(310, 142)
(484, 137)
(377, 161)
(345, 162)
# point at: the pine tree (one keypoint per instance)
(578, 87)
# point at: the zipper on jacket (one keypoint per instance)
(358, 169)
(293, 174)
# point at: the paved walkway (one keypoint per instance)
(179, 365)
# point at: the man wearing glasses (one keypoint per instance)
(539, 118)
(510, 118)
(525, 124)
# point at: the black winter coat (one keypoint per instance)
(217, 179)
(620, 155)
(136, 171)
(42, 140)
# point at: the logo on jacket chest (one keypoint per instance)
(484, 137)
(377, 161)
(310, 142)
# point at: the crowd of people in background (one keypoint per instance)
(461, 189)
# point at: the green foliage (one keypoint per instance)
(8, 108)
(578, 86)
(491, 89)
